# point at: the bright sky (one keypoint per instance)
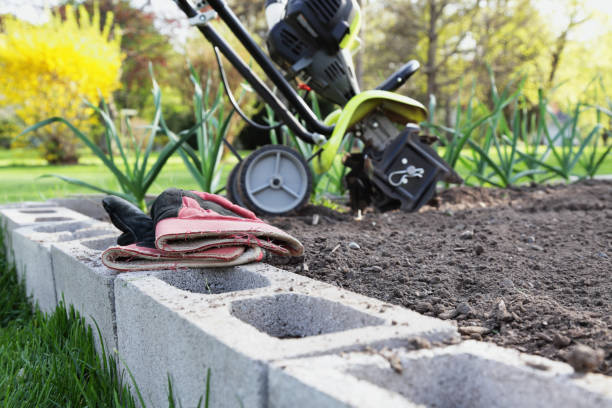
(600, 21)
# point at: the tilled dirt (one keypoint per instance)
(525, 268)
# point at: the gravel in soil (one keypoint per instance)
(527, 268)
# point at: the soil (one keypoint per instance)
(527, 268)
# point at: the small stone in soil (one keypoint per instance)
(584, 358)
(374, 268)
(536, 247)
(467, 234)
(507, 283)
(353, 245)
(446, 315)
(315, 219)
(469, 330)
(423, 307)
(501, 313)
(479, 249)
(463, 308)
(561, 341)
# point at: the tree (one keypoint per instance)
(141, 44)
(47, 70)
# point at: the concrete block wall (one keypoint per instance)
(13, 216)
(237, 321)
(32, 251)
(81, 280)
(469, 374)
(275, 339)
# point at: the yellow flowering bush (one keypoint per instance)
(48, 70)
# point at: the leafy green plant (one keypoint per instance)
(567, 145)
(467, 125)
(131, 169)
(500, 151)
(500, 148)
(591, 161)
(203, 163)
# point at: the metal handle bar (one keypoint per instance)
(262, 90)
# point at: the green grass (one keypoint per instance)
(20, 170)
(50, 360)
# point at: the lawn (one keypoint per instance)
(50, 360)
(20, 171)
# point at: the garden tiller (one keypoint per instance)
(311, 42)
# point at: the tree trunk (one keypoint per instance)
(432, 48)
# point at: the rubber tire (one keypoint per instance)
(252, 160)
(231, 188)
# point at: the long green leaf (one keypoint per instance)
(164, 155)
(491, 162)
(158, 113)
(92, 146)
(90, 186)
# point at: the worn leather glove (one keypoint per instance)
(136, 245)
(134, 258)
(137, 227)
(192, 221)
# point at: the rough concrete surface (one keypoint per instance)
(82, 280)
(32, 251)
(470, 374)
(163, 330)
(29, 213)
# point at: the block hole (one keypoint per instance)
(65, 227)
(37, 211)
(214, 281)
(83, 234)
(292, 316)
(52, 219)
(467, 380)
(100, 244)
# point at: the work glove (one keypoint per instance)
(133, 258)
(192, 221)
(136, 245)
(137, 227)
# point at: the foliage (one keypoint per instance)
(48, 69)
(203, 163)
(8, 131)
(537, 147)
(141, 43)
(50, 360)
(137, 175)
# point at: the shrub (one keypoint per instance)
(48, 69)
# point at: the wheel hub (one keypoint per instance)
(276, 182)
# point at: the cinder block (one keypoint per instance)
(470, 374)
(27, 214)
(31, 247)
(81, 280)
(237, 321)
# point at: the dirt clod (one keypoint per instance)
(561, 341)
(584, 359)
(501, 313)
